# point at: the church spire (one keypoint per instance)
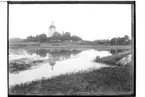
(52, 29)
(52, 23)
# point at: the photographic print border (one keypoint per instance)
(133, 31)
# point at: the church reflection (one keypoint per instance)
(51, 61)
(54, 55)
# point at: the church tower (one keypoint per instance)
(52, 29)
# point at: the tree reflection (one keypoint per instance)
(57, 54)
(40, 52)
(116, 51)
(62, 54)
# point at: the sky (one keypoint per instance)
(88, 21)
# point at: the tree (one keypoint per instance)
(30, 38)
(120, 40)
(113, 41)
(67, 34)
(75, 38)
(42, 37)
(56, 36)
(126, 37)
(37, 38)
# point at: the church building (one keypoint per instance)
(52, 29)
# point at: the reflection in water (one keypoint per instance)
(82, 61)
(116, 51)
(41, 52)
(57, 54)
(49, 55)
(52, 63)
(60, 55)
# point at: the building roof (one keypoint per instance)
(52, 26)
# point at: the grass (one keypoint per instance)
(105, 81)
(113, 59)
(18, 65)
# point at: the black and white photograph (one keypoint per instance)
(71, 48)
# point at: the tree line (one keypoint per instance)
(56, 37)
(120, 40)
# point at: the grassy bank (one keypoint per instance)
(113, 59)
(105, 81)
(16, 66)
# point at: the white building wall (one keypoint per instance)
(51, 31)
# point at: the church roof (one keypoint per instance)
(52, 26)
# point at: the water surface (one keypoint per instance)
(55, 62)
